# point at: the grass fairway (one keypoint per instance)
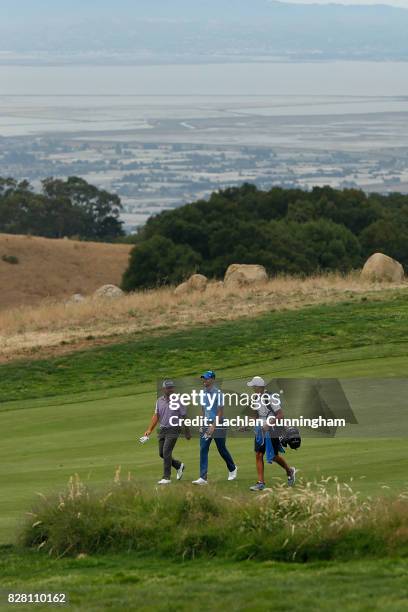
(82, 414)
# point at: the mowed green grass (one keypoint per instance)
(127, 582)
(84, 413)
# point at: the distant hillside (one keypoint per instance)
(56, 268)
(182, 29)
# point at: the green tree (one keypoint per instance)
(158, 261)
(98, 208)
(329, 246)
(388, 236)
(64, 208)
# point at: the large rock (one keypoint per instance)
(182, 289)
(197, 282)
(239, 275)
(218, 285)
(108, 291)
(77, 298)
(380, 267)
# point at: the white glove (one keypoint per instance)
(144, 439)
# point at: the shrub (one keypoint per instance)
(11, 259)
(159, 261)
(321, 520)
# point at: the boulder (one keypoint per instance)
(197, 282)
(239, 275)
(108, 291)
(380, 267)
(182, 289)
(77, 298)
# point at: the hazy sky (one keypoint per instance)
(400, 3)
(32, 7)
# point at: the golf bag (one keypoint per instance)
(291, 437)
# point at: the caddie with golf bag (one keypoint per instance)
(269, 440)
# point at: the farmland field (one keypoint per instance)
(83, 413)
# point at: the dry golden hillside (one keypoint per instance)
(56, 268)
(55, 327)
(33, 326)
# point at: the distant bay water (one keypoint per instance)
(163, 135)
(320, 78)
(36, 99)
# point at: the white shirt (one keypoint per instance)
(268, 405)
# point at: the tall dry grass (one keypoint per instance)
(315, 520)
(53, 323)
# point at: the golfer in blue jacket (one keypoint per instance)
(213, 409)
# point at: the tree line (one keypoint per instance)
(70, 207)
(286, 230)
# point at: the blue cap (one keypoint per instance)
(208, 374)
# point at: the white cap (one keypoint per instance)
(257, 381)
